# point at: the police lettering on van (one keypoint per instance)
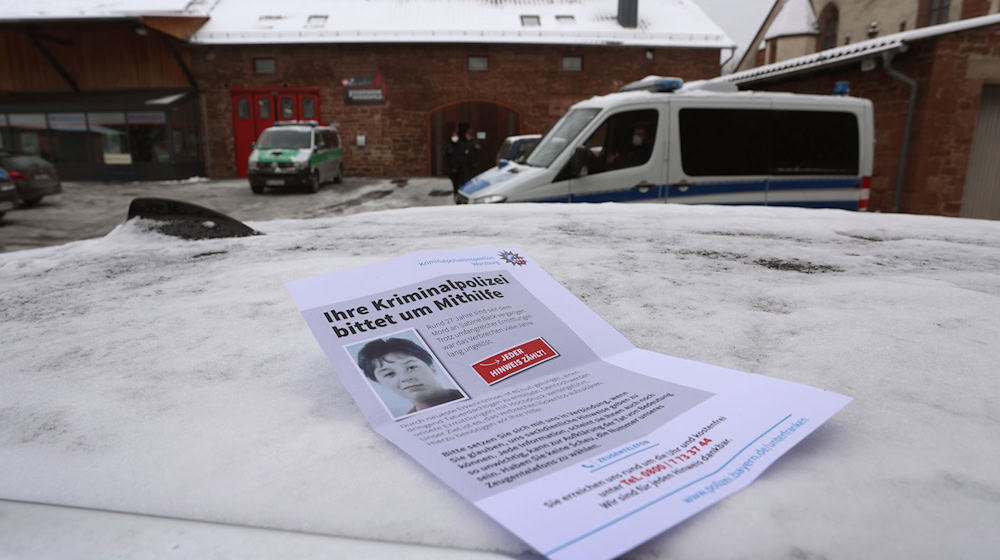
(296, 154)
(660, 140)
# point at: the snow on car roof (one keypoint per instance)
(150, 375)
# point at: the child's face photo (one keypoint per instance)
(404, 374)
(408, 376)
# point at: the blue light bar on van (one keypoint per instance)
(296, 123)
(655, 83)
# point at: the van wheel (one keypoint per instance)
(340, 174)
(314, 182)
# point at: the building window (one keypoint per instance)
(287, 108)
(68, 132)
(933, 12)
(308, 108)
(828, 22)
(572, 63)
(263, 108)
(112, 132)
(264, 66)
(479, 63)
(531, 21)
(29, 133)
(3, 132)
(243, 108)
(566, 19)
(316, 21)
(147, 132)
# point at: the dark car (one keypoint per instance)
(8, 193)
(33, 175)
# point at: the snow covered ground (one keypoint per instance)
(148, 375)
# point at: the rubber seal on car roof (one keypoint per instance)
(186, 220)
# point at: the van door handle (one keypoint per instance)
(682, 186)
(644, 186)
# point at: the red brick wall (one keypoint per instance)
(975, 8)
(420, 79)
(943, 125)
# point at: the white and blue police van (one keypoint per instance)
(660, 140)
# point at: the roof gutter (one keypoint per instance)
(896, 74)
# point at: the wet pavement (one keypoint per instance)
(91, 209)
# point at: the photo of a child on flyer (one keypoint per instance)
(407, 369)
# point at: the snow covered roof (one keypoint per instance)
(666, 23)
(855, 51)
(175, 380)
(661, 23)
(98, 9)
(795, 18)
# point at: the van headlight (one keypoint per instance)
(491, 199)
(300, 165)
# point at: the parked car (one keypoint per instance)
(34, 176)
(296, 154)
(8, 193)
(517, 148)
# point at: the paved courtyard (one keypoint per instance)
(90, 209)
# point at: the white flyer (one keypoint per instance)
(515, 394)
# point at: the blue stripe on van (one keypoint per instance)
(675, 191)
(719, 188)
(654, 192)
(780, 184)
(842, 204)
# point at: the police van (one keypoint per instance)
(660, 140)
(296, 154)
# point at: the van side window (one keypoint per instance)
(724, 141)
(332, 141)
(623, 140)
(768, 142)
(814, 142)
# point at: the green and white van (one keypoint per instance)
(296, 154)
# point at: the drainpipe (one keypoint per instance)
(887, 66)
(732, 53)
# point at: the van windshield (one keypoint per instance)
(278, 138)
(559, 136)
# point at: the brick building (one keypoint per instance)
(396, 76)
(935, 91)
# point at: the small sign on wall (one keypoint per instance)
(364, 90)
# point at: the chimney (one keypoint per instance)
(628, 13)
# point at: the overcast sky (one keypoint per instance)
(740, 19)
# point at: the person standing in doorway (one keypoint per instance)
(461, 155)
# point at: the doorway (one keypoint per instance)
(256, 109)
(490, 122)
(981, 197)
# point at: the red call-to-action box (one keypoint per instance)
(515, 360)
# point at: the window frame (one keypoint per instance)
(474, 60)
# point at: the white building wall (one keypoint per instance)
(856, 15)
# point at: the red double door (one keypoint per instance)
(256, 109)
